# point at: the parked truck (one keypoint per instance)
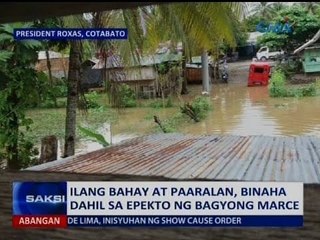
(265, 53)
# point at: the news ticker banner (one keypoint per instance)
(206, 204)
(70, 33)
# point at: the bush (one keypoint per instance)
(27, 153)
(92, 100)
(127, 96)
(171, 124)
(309, 91)
(198, 109)
(201, 106)
(278, 88)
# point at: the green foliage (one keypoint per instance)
(92, 100)
(127, 97)
(46, 93)
(305, 26)
(251, 23)
(289, 69)
(273, 40)
(277, 84)
(27, 153)
(160, 104)
(201, 106)
(171, 124)
(95, 136)
(5, 55)
(198, 108)
(279, 88)
(17, 91)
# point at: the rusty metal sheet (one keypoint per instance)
(216, 157)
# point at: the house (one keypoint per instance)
(59, 63)
(310, 55)
(142, 77)
(311, 59)
(91, 78)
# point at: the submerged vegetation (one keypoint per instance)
(278, 87)
(198, 108)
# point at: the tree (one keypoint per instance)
(276, 7)
(263, 10)
(251, 23)
(305, 26)
(17, 81)
(199, 26)
(50, 44)
(311, 7)
(73, 97)
(73, 83)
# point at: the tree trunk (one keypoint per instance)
(12, 148)
(184, 89)
(49, 67)
(72, 99)
(50, 76)
(205, 72)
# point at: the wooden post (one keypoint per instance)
(49, 149)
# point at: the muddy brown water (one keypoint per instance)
(237, 110)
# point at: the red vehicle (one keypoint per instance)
(259, 74)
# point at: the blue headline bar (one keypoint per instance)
(185, 221)
(70, 33)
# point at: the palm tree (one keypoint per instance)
(275, 7)
(311, 7)
(263, 10)
(114, 18)
(74, 77)
(200, 26)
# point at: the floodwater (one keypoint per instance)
(242, 110)
(237, 110)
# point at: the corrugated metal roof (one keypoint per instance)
(219, 157)
(52, 55)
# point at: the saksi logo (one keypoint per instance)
(45, 198)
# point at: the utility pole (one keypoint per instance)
(205, 72)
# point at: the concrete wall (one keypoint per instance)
(310, 230)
